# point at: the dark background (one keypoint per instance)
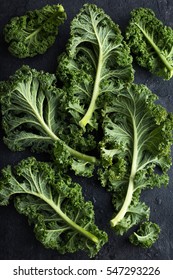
(17, 240)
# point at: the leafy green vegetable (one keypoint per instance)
(34, 32)
(151, 42)
(97, 61)
(135, 151)
(146, 235)
(33, 116)
(97, 75)
(54, 204)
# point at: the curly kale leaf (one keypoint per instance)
(146, 235)
(33, 116)
(54, 204)
(151, 42)
(135, 151)
(96, 61)
(34, 32)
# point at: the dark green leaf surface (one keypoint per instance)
(97, 61)
(54, 204)
(151, 42)
(146, 235)
(137, 139)
(34, 32)
(33, 116)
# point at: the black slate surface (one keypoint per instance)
(17, 240)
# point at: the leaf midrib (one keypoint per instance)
(157, 49)
(57, 209)
(134, 166)
(48, 131)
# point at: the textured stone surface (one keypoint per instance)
(17, 240)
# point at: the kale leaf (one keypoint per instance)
(33, 116)
(151, 42)
(146, 235)
(34, 32)
(135, 151)
(97, 61)
(54, 204)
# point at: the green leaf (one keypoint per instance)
(33, 116)
(97, 61)
(146, 235)
(34, 32)
(54, 204)
(151, 42)
(135, 151)
(136, 212)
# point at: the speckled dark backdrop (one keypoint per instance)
(17, 240)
